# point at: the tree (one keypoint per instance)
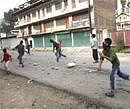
(128, 4)
(8, 21)
(123, 3)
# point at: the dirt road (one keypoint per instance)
(17, 92)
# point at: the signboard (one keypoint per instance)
(79, 23)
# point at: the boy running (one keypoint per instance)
(21, 50)
(111, 56)
(6, 59)
(57, 46)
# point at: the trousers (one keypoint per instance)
(116, 71)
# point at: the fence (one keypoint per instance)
(124, 35)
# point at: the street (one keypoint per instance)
(83, 80)
(17, 92)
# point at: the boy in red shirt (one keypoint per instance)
(6, 59)
(57, 47)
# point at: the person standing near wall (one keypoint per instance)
(28, 46)
(94, 46)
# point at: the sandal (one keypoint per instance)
(110, 94)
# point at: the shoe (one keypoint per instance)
(22, 65)
(65, 56)
(110, 94)
(8, 72)
(95, 62)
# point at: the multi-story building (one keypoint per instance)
(123, 18)
(66, 20)
(122, 22)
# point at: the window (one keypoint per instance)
(80, 1)
(38, 13)
(49, 25)
(28, 17)
(20, 18)
(66, 3)
(120, 18)
(49, 9)
(61, 22)
(122, 26)
(24, 17)
(58, 6)
(73, 4)
(33, 14)
(36, 27)
(43, 13)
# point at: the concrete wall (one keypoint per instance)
(104, 11)
(9, 42)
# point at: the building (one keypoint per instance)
(122, 23)
(123, 18)
(66, 20)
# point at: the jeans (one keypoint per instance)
(20, 58)
(116, 71)
(59, 54)
(95, 54)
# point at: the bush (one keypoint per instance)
(120, 44)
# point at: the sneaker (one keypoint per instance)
(22, 65)
(8, 72)
(110, 94)
(64, 56)
(95, 62)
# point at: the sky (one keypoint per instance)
(6, 5)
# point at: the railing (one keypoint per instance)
(63, 11)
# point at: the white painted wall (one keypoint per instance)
(10, 42)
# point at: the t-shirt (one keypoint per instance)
(94, 43)
(55, 45)
(59, 45)
(111, 53)
(20, 48)
(6, 57)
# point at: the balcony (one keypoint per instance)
(61, 12)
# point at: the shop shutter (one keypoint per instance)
(47, 39)
(65, 37)
(38, 42)
(81, 39)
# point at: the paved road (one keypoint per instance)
(83, 79)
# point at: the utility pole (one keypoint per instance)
(89, 12)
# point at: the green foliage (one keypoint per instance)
(6, 27)
(128, 4)
(8, 21)
(123, 3)
(120, 44)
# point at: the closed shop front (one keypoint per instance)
(47, 38)
(38, 42)
(66, 39)
(81, 38)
